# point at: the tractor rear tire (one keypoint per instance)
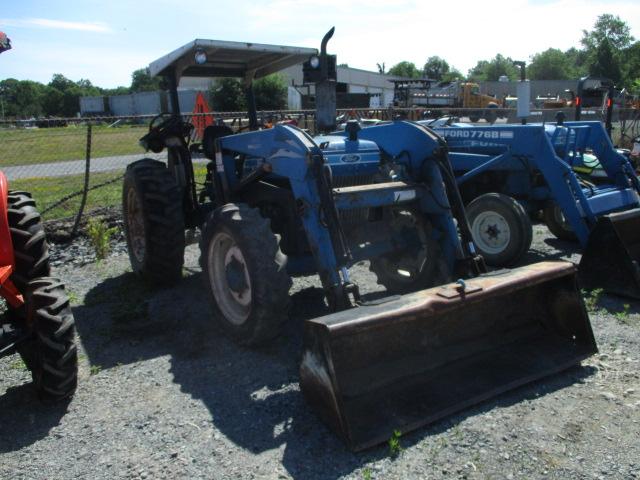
(51, 353)
(410, 270)
(30, 248)
(500, 227)
(245, 273)
(555, 221)
(153, 222)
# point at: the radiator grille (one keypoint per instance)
(350, 219)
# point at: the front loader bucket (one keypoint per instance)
(610, 259)
(401, 364)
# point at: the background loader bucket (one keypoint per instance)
(610, 259)
(398, 365)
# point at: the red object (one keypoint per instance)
(609, 101)
(7, 288)
(200, 122)
(5, 43)
(6, 247)
(577, 101)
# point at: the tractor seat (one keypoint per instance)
(209, 139)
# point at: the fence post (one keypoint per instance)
(85, 191)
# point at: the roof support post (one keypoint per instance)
(173, 92)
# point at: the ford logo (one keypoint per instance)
(350, 158)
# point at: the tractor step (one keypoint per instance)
(374, 195)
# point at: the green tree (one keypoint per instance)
(227, 95)
(51, 101)
(60, 82)
(65, 95)
(435, 68)
(579, 60)
(494, 69)
(452, 75)
(632, 68)
(606, 63)
(552, 64)
(270, 92)
(142, 81)
(605, 46)
(8, 89)
(115, 91)
(21, 98)
(610, 27)
(405, 69)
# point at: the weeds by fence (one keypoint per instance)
(53, 162)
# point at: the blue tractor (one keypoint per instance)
(506, 173)
(278, 203)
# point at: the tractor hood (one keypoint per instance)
(349, 157)
(339, 149)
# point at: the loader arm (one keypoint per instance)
(288, 152)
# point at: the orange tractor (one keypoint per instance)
(36, 320)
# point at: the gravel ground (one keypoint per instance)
(163, 394)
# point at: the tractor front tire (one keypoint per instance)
(153, 222)
(30, 248)
(245, 274)
(500, 227)
(557, 224)
(51, 353)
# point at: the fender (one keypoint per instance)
(6, 247)
(7, 288)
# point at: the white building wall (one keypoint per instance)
(358, 81)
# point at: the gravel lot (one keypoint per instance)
(163, 394)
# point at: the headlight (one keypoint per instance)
(200, 57)
(314, 62)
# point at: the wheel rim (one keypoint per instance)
(491, 232)
(561, 220)
(135, 225)
(229, 278)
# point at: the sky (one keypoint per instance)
(104, 41)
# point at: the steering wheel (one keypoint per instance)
(161, 120)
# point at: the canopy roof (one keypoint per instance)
(230, 59)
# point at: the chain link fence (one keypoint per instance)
(73, 167)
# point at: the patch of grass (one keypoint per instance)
(100, 234)
(18, 364)
(50, 145)
(95, 369)
(48, 190)
(74, 298)
(623, 316)
(395, 448)
(592, 298)
(366, 474)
